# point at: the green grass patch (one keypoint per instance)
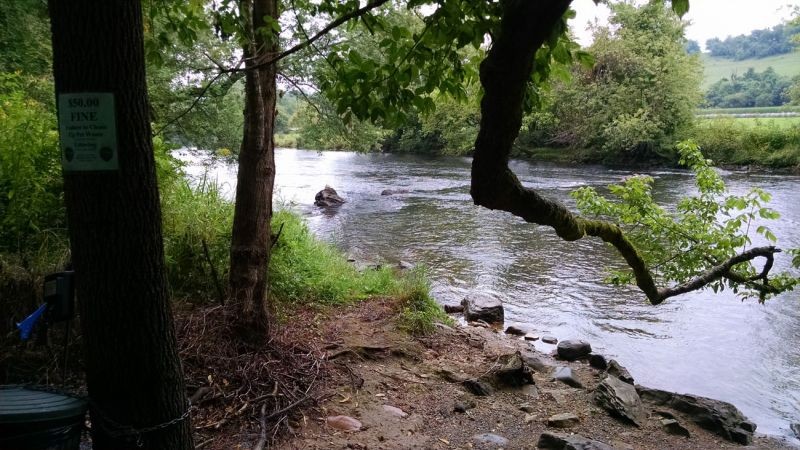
(762, 142)
(716, 69)
(781, 123)
(752, 110)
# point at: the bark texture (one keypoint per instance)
(250, 240)
(504, 74)
(132, 367)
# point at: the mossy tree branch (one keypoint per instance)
(504, 74)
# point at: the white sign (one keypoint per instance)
(88, 131)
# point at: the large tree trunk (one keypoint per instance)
(250, 242)
(132, 367)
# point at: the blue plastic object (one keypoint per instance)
(26, 326)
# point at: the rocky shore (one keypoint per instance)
(475, 386)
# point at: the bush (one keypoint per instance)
(32, 215)
(728, 141)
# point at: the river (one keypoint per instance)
(702, 343)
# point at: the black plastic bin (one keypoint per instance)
(32, 419)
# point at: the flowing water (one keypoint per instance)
(700, 343)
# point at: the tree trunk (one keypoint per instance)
(132, 367)
(250, 240)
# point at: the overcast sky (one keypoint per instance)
(709, 18)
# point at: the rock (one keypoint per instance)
(716, 416)
(405, 265)
(529, 418)
(671, 426)
(530, 390)
(615, 369)
(565, 375)
(462, 406)
(535, 362)
(573, 349)
(344, 423)
(564, 420)
(526, 407)
(796, 429)
(549, 340)
(483, 307)
(552, 441)
(395, 411)
(394, 191)
(531, 337)
(453, 309)
(515, 331)
(477, 387)
(598, 362)
(489, 440)
(513, 372)
(620, 399)
(328, 197)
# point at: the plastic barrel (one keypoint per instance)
(32, 419)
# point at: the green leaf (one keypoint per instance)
(680, 7)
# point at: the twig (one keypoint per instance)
(214, 275)
(262, 441)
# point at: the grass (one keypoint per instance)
(753, 110)
(717, 68)
(288, 140)
(782, 123)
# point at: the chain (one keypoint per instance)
(118, 430)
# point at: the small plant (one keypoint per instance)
(419, 311)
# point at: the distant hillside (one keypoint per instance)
(718, 68)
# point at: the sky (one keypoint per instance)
(709, 18)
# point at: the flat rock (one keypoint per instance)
(515, 331)
(564, 420)
(527, 407)
(549, 339)
(405, 265)
(531, 337)
(535, 362)
(453, 309)
(671, 426)
(716, 416)
(483, 307)
(512, 371)
(565, 375)
(344, 423)
(395, 411)
(552, 441)
(620, 399)
(573, 349)
(615, 369)
(477, 387)
(489, 440)
(462, 406)
(598, 362)
(328, 197)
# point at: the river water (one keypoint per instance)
(699, 343)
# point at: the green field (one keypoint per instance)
(718, 68)
(780, 122)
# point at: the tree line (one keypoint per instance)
(777, 40)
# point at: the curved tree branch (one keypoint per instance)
(504, 73)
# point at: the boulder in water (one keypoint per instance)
(327, 198)
(483, 307)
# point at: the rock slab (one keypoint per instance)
(573, 349)
(716, 416)
(344, 423)
(565, 375)
(615, 369)
(483, 307)
(327, 197)
(489, 440)
(564, 420)
(549, 339)
(512, 371)
(671, 426)
(552, 441)
(620, 399)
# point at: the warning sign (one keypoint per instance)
(88, 131)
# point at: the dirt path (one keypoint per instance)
(408, 394)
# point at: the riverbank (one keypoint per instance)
(388, 390)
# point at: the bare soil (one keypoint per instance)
(373, 364)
